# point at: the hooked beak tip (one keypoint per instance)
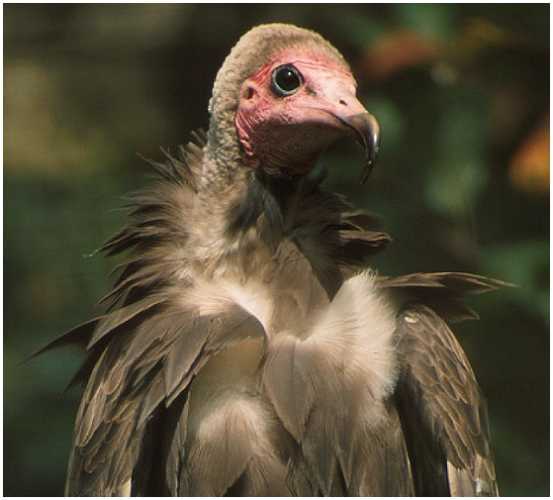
(367, 131)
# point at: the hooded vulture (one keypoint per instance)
(246, 348)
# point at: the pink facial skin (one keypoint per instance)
(286, 134)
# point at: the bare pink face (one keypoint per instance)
(293, 108)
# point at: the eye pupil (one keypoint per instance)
(286, 80)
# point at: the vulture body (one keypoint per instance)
(246, 349)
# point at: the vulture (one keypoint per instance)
(246, 347)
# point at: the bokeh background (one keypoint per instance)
(462, 94)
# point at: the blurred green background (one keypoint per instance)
(462, 94)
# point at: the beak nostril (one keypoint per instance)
(343, 103)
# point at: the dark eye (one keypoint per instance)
(286, 80)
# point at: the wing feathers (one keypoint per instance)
(440, 403)
(148, 365)
(79, 335)
(455, 283)
(123, 315)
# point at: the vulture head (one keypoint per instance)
(282, 96)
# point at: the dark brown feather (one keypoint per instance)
(441, 408)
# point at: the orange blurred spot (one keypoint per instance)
(529, 169)
(396, 51)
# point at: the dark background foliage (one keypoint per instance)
(462, 94)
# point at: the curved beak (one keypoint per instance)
(337, 98)
(333, 92)
(367, 132)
